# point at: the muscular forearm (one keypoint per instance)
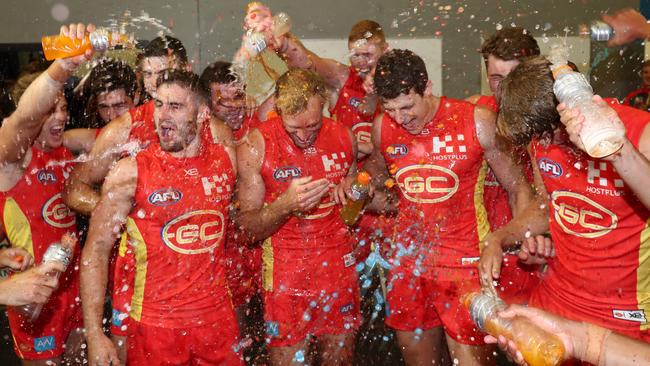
(634, 168)
(533, 220)
(94, 277)
(80, 196)
(296, 54)
(261, 223)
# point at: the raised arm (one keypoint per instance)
(80, 193)
(79, 140)
(297, 55)
(105, 226)
(21, 128)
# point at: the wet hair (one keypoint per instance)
(368, 30)
(186, 79)
(512, 43)
(166, 46)
(527, 104)
(399, 72)
(218, 72)
(109, 75)
(294, 89)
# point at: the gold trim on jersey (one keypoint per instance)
(267, 265)
(140, 252)
(482, 222)
(17, 228)
(643, 274)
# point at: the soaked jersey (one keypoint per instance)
(488, 101)
(330, 158)
(177, 229)
(601, 235)
(143, 127)
(248, 124)
(440, 174)
(346, 109)
(33, 212)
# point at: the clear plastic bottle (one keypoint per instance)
(598, 135)
(538, 347)
(59, 46)
(351, 212)
(54, 253)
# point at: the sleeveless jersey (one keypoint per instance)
(440, 174)
(248, 124)
(143, 128)
(488, 101)
(346, 109)
(330, 158)
(601, 235)
(177, 229)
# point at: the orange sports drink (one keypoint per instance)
(537, 346)
(351, 212)
(59, 46)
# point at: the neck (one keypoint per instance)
(41, 145)
(191, 150)
(433, 103)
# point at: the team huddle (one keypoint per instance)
(199, 202)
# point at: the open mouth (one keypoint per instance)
(56, 131)
(167, 132)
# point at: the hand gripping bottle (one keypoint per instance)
(598, 135)
(539, 348)
(351, 212)
(60, 46)
(54, 253)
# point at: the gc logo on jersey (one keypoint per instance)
(286, 173)
(397, 150)
(580, 216)
(550, 168)
(46, 176)
(362, 131)
(165, 196)
(56, 213)
(427, 183)
(194, 232)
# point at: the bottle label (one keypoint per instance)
(358, 194)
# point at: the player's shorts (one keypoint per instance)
(309, 292)
(44, 339)
(417, 304)
(578, 308)
(122, 291)
(244, 273)
(209, 344)
(517, 281)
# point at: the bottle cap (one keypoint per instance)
(363, 177)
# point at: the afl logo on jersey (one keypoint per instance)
(397, 150)
(427, 183)
(195, 232)
(550, 168)
(286, 173)
(56, 213)
(580, 216)
(165, 196)
(355, 102)
(46, 176)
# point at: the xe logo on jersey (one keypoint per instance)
(449, 143)
(580, 216)
(286, 173)
(56, 213)
(195, 232)
(550, 168)
(46, 176)
(165, 196)
(397, 150)
(427, 183)
(335, 161)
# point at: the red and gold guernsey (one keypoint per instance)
(601, 235)
(33, 212)
(177, 229)
(346, 109)
(329, 157)
(440, 174)
(489, 101)
(143, 128)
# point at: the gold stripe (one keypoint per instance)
(267, 265)
(20, 353)
(124, 245)
(140, 248)
(482, 223)
(19, 232)
(643, 275)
